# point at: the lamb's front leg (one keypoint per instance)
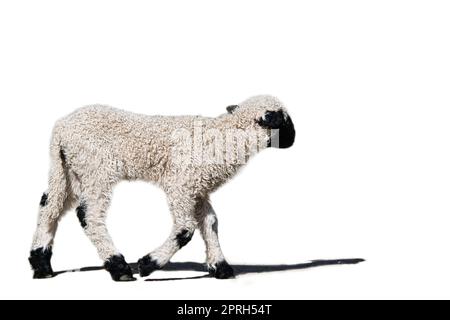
(208, 224)
(92, 216)
(183, 211)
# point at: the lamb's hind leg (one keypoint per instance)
(183, 211)
(208, 224)
(41, 251)
(52, 205)
(92, 216)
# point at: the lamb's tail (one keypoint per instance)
(57, 184)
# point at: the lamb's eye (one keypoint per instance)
(269, 117)
(272, 119)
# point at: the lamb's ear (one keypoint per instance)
(232, 108)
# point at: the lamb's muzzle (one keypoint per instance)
(287, 134)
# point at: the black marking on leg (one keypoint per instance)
(184, 237)
(62, 155)
(146, 265)
(44, 200)
(81, 214)
(221, 270)
(119, 269)
(40, 262)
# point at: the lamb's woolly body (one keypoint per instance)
(112, 145)
(97, 146)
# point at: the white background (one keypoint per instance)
(366, 82)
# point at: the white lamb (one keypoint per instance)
(187, 156)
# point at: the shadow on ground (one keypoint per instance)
(238, 269)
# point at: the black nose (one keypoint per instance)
(287, 134)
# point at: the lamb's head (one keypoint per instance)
(266, 113)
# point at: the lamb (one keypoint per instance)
(189, 157)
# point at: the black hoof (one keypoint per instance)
(119, 269)
(43, 275)
(147, 265)
(221, 270)
(40, 262)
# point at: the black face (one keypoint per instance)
(283, 127)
